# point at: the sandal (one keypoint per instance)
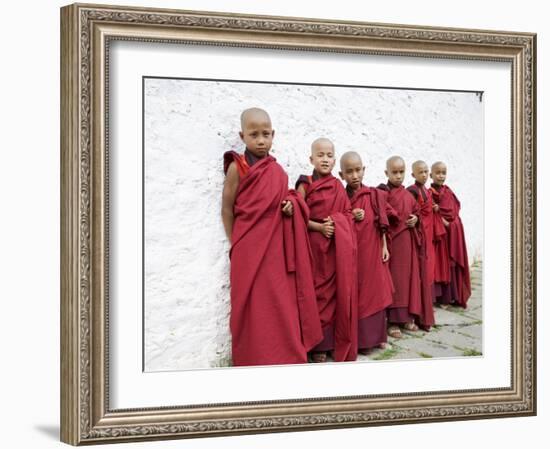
(319, 357)
(411, 327)
(394, 332)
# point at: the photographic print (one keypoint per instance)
(377, 286)
(314, 205)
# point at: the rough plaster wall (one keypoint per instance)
(190, 124)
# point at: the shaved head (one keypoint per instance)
(437, 164)
(256, 114)
(420, 172)
(418, 165)
(321, 142)
(350, 156)
(393, 161)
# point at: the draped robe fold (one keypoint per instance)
(274, 317)
(334, 266)
(404, 245)
(375, 287)
(452, 252)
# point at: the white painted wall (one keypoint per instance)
(188, 127)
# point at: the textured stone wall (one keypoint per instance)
(188, 126)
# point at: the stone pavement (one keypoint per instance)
(457, 333)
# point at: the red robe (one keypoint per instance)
(424, 198)
(455, 242)
(334, 266)
(406, 245)
(375, 287)
(274, 318)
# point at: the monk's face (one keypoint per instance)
(396, 172)
(439, 174)
(353, 172)
(257, 134)
(322, 158)
(420, 173)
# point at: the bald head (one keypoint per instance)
(438, 164)
(420, 172)
(351, 169)
(350, 157)
(395, 161)
(395, 170)
(254, 115)
(438, 173)
(321, 143)
(322, 156)
(419, 165)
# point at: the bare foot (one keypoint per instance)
(394, 332)
(319, 357)
(411, 327)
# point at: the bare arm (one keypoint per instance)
(229, 194)
(301, 190)
(385, 252)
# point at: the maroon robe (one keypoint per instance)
(404, 244)
(423, 196)
(375, 287)
(274, 318)
(334, 266)
(459, 288)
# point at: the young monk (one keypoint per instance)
(453, 284)
(375, 287)
(423, 196)
(274, 317)
(404, 242)
(332, 239)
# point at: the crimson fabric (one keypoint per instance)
(442, 268)
(334, 264)
(423, 197)
(375, 287)
(299, 261)
(273, 308)
(404, 244)
(449, 208)
(400, 315)
(372, 330)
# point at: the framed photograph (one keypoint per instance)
(174, 325)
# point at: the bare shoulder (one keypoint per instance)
(301, 189)
(232, 172)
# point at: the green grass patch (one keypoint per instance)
(425, 356)
(222, 362)
(470, 352)
(387, 354)
(476, 322)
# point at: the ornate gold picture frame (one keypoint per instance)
(87, 33)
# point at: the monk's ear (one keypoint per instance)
(241, 135)
(341, 175)
(272, 133)
(386, 172)
(431, 176)
(311, 159)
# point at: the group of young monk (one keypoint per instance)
(327, 269)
